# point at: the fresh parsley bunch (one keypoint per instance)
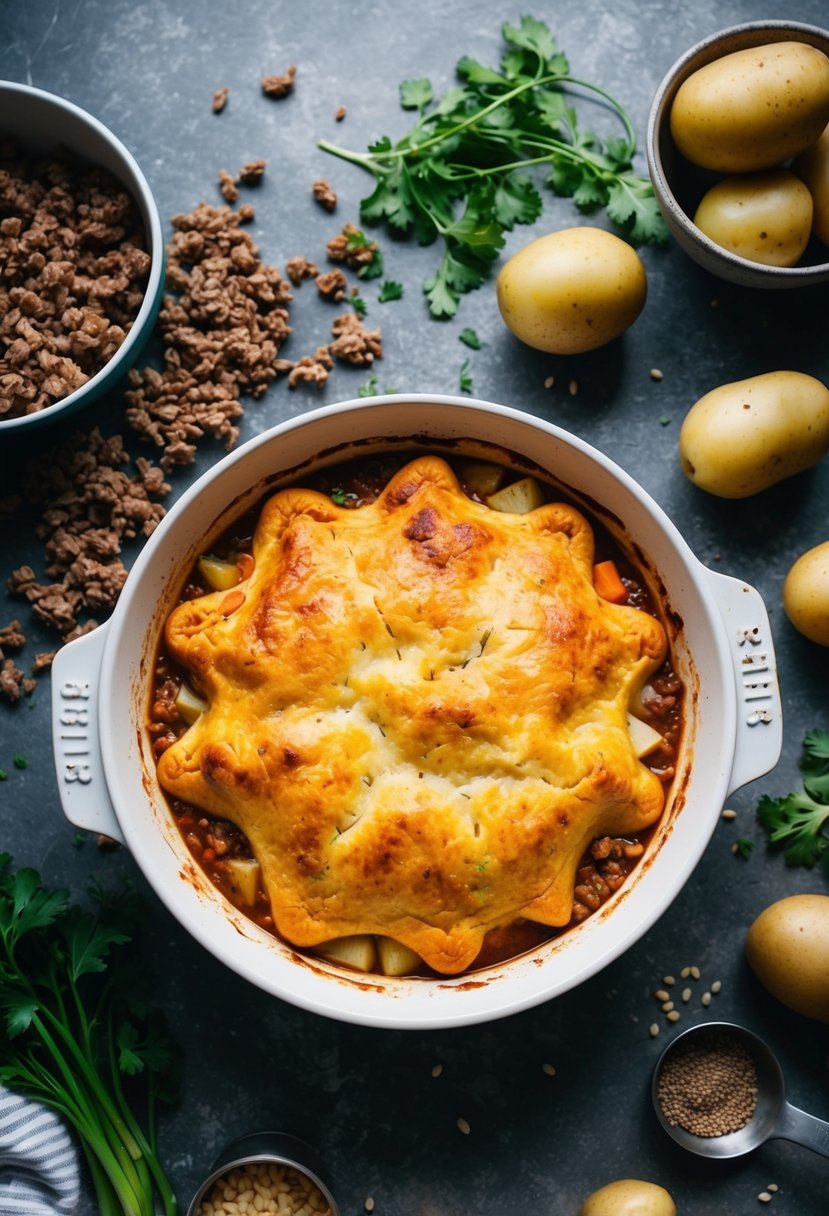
(73, 1028)
(459, 173)
(797, 820)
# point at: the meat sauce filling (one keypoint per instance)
(215, 842)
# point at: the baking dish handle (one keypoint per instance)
(81, 783)
(759, 738)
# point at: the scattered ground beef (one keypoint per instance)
(12, 681)
(332, 285)
(298, 269)
(350, 246)
(324, 195)
(252, 173)
(310, 369)
(279, 86)
(73, 271)
(43, 661)
(340, 114)
(221, 333)
(220, 100)
(353, 343)
(90, 505)
(11, 637)
(227, 186)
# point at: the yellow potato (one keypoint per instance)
(572, 291)
(787, 947)
(629, 1197)
(764, 217)
(743, 437)
(752, 109)
(806, 594)
(813, 167)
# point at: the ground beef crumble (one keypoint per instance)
(332, 285)
(73, 271)
(220, 99)
(353, 343)
(279, 86)
(350, 246)
(89, 505)
(324, 195)
(298, 269)
(221, 331)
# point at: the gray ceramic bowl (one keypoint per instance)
(42, 123)
(679, 186)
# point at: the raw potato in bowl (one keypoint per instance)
(754, 108)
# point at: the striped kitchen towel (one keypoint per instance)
(39, 1169)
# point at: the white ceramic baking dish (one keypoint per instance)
(722, 646)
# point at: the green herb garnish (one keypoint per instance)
(742, 848)
(21, 761)
(390, 291)
(73, 1026)
(465, 378)
(459, 174)
(358, 304)
(798, 819)
(470, 339)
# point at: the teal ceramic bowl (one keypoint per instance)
(42, 123)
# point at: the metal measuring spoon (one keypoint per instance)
(773, 1118)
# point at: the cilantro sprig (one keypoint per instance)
(72, 1028)
(797, 821)
(460, 173)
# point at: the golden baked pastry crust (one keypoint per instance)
(417, 713)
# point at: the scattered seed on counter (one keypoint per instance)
(340, 114)
(655, 373)
(764, 1197)
(464, 1127)
(673, 1016)
(573, 388)
(684, 973)
(706, 999)
(668, 981)
(653, 1030)
(716, 986)
(437, 1069)
(549, 382)
(686, 995)
(695, 973)
(550, 1069)
(729, 814)
(661, 995)
(369, 1204)
(773, 1187)
(667, 1006)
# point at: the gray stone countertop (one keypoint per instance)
(384, 1125)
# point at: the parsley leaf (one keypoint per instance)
(358, 304)
(470, 339)
(390, 290)
(796, 821)
(460, 174)
(64, 1009)
(415, 94)
(465, 378)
